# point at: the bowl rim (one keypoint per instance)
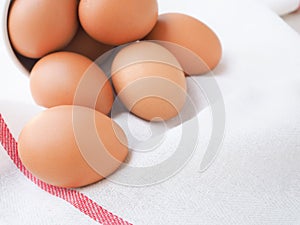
(6, 39)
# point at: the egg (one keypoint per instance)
(116, 22)
(72, 146)
(195, 45)
(37, 28)
(149, 81)
(83, 44)
(67, 78)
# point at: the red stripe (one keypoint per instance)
(75, 198)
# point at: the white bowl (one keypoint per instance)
(14, 82)
(4, 40)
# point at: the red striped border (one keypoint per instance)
(75, 198)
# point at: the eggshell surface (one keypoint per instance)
(60, 145)
(198, 48)
(116, 22)
(37, 28)
(83, 44)
(149, 81)
(66, 78)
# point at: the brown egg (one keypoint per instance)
(67, 78)
(149, 81)
(116, 22)
(197, 48)
(37, 28)
(61, 145)
(83, 44)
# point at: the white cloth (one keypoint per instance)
(256, 176)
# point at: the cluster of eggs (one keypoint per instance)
(74, 142)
